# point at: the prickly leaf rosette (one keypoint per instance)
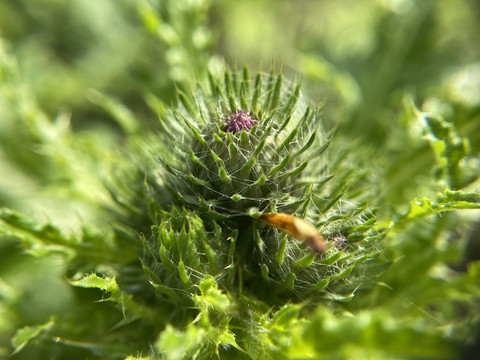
(240, 147)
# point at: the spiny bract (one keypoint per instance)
(238, 148)
(254, 166)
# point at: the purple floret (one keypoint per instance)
(238, 121)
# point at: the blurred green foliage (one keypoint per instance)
(82, 85)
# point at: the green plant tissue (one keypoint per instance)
(239, 180)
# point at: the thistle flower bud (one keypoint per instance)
(238, 121)
(240, 149)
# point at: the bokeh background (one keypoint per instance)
(369, 62)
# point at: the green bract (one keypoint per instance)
(220, 181)
(231, 172)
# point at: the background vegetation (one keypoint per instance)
(82, 87)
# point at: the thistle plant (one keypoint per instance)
(188, 235)
(238, 148)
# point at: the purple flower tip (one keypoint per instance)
(238, 121)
